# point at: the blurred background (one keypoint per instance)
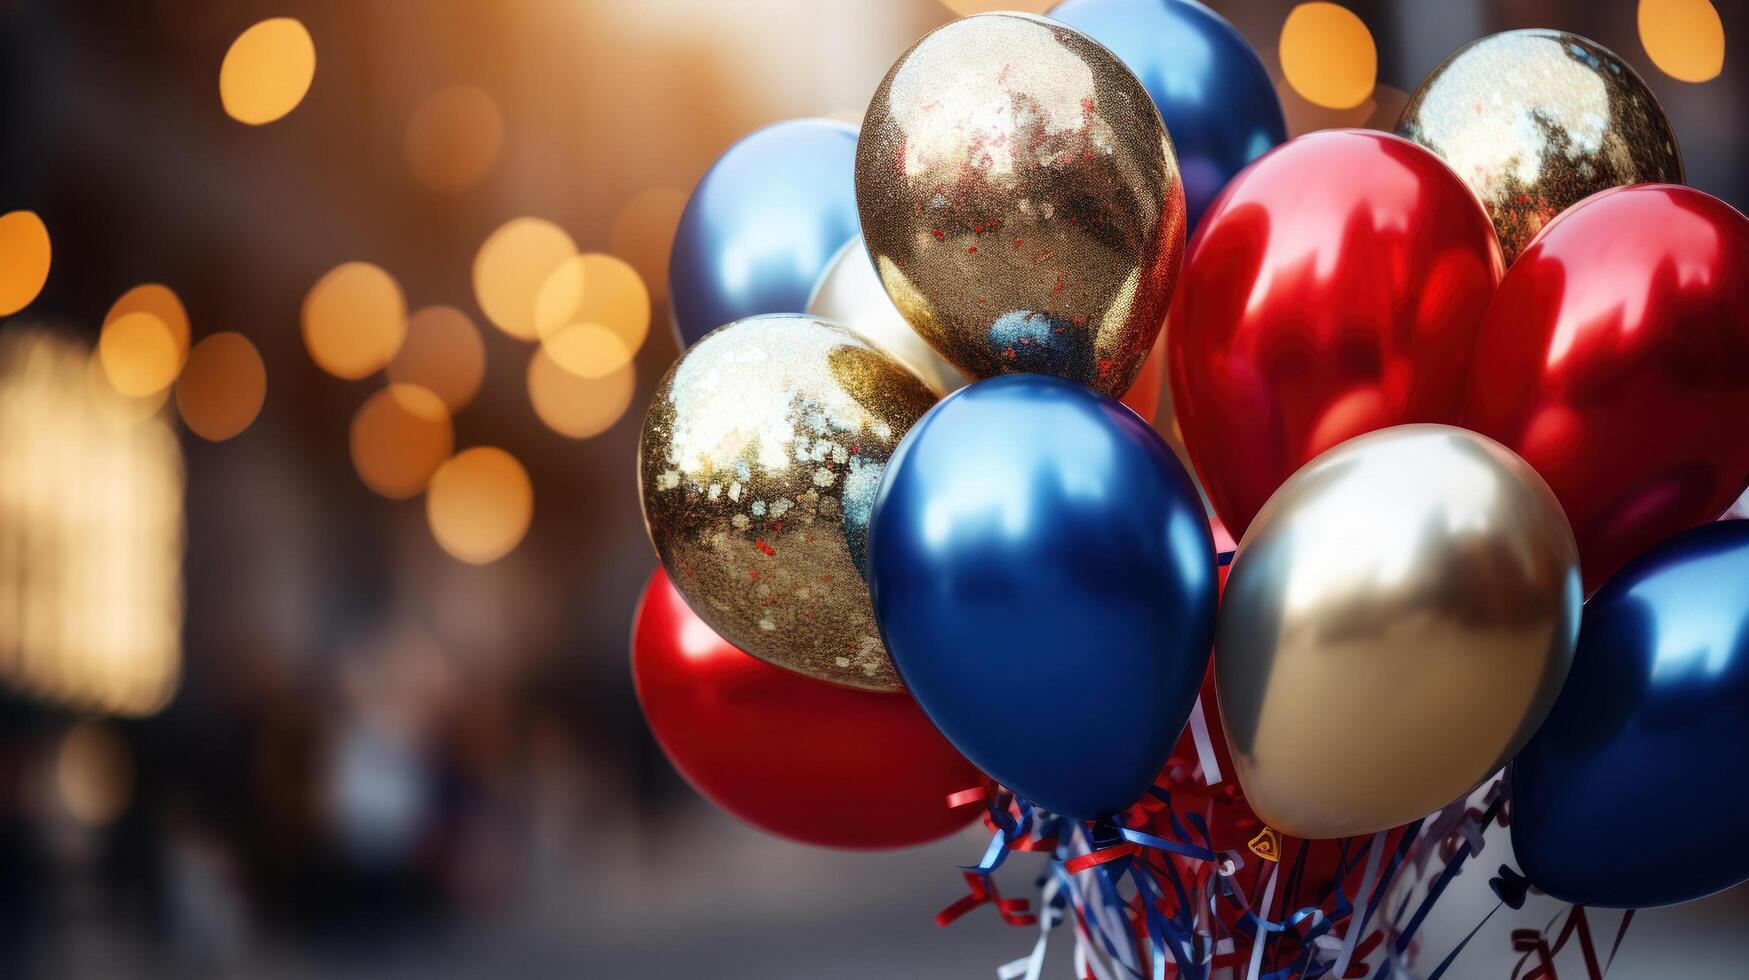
(316, 571)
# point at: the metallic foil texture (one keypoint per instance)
(1021, 201)
(1535, 121)
(759, 460)
(1398, 621)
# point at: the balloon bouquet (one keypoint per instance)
(1440, 385)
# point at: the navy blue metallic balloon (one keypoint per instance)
(762, 225)
(1212, 90)
(1633, 793)
(1044, 577)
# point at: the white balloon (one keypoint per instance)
(849, 292)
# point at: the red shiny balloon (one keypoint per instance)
(1335, 287)
(792, 756)
(1615, 359)
(1143, 398)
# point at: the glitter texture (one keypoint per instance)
(1021, 201)
(1535, 121)
(758, 464)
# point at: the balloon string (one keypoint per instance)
(1374, 853)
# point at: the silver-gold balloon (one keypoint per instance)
(850, 293)
(1535, 121)
(1021, 201)
(1398, 620)
(759, 460)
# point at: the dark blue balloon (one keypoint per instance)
(1633, 792)
(1044, 577)
(1212, 90)
(762, 224)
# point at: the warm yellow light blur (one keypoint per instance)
(588, 350)
(94, 774)
(643, 231)
(511, 267)
(139, 354)
(598, 289)
(399, 437)
(574, 406)
(479, 504)
(267, 71)
(443, 353)
(91, 532)
(222, 386)
(1328, 56)
(1684, 38)
(24, 259)
(129, 407)
(355, 319)
(160, 301)
(453, 138)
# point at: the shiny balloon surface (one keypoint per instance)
(1397, 622)
(1536, 121)
(762, 224)
(1335, 288)
(851, 294)
(1045, 579)
(760, 457)
(813, 762)
(1211, 88)
(1021, 201)
(1615, 360)
(1648, 733)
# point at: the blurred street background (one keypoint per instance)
(316, 573)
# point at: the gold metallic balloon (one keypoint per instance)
(1397, 623)
(1021, 201)
(850, 293)
(1535, 121)
(759, 460)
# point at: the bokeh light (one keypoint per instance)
(139, 354)
(588, 350)
(512, 265)
(355, 319)
(479, 504)
(444, 353)
(160, 301)
(267, 71)
(1328, 55)
(1684, 38)
(575, 406)
(593, 314)
(399, 437)
(453, 138)
(94, 774)
(91, 533)
(222, 386)
(24, 259)
(643, 231)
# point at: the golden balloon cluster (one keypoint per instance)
(1022, 212)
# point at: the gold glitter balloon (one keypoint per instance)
(1021, 201)
(759, 461)
(1536, 121)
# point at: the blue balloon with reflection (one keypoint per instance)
(1633, 793)
(1044, 577)
(1212, 90)
(762, 225)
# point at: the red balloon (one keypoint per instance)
(1615, 360)
(1335, 287)
(792, 756)
(1143, 398)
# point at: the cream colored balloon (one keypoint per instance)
(1398, 621)
(849, 292)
